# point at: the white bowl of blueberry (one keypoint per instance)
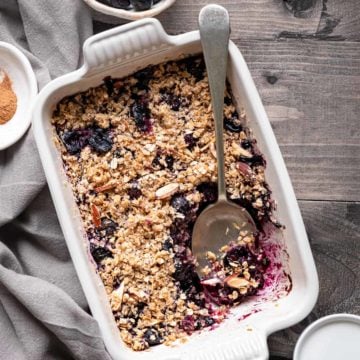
(130, 9)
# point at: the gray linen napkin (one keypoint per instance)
(43, 311)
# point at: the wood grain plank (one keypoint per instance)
(311, 91)
(250, 19)
(334, 232)
(270, 19)
(341, 19)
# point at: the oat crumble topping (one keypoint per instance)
(139, 153)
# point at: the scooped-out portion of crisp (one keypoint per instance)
(139, 153)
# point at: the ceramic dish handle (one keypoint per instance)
(123, 44)
(248, 345)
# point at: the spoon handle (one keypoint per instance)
(214, 33)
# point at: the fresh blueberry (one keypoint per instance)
(180, 204)
(233, 123)
(141, 5)
(100, 140)
(190, 141)
(100, 253)
(152, 337)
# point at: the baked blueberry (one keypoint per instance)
(152, 337)
(134, 193)
(167, 245)
(188, 324)
(190, 141)
(195, 68)
(108, 225)
(233, 123)
(100, 140)
(180, 204)
(143, 77)
(76, 140)
(254, 160)
(246, 144)
(209, 191)
(141, 114)
(100, 253)
(169, 159)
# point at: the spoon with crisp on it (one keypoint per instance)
(221, 222)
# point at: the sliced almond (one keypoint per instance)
(114, 163)
(150, 147)
(211, 282)
(117, 297)
(236, 282)
(167, 190)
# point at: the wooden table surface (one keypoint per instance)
(304, 56)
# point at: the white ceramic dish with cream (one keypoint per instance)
(130, 14)
(24, 84)
(119, 52)
(332, 337)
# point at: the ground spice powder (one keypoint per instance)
(8, 100)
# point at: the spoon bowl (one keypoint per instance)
(223, 222)
(218, 225)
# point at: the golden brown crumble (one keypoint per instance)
(140, 155)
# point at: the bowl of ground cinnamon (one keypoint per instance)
(8, 99)
(18, 89)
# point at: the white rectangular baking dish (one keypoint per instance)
(119, 52)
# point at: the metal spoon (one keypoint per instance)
(221, 222)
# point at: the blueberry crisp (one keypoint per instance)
(139, 153)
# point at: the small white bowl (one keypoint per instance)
(332, 337)
(24, 84)
(130, 14)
